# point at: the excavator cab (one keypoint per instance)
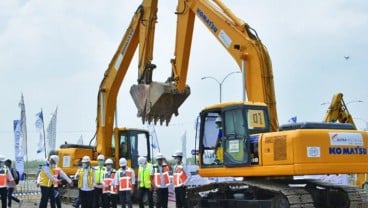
(229, 143)
(130, 144)
(126, 142)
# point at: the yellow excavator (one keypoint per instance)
(338, 112)
(117, 142)
(266, 156)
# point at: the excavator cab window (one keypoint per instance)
(209, 139)
(235, 138)
(233, 146)
(133, 144)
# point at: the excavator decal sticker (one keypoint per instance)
(348, 139)
(205, 19)
(347, 151)
(313, 151)
(123, 51)
(225, 39)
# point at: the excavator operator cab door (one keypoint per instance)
(132, 144)
(227, 143)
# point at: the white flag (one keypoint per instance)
(23, 128)
(39, 128)
(80, 140)
(51, 133)
(19, 157)
(154, 143)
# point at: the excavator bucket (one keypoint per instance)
(157, 101)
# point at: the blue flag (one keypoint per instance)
(293, 119)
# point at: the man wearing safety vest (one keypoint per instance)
(145, 177)
(99, 172)
(181, 176)
(59, 174)
(46, 182)
(5, 178)
(125, 180)
(109, 190)
(161, 180)
(86, 182)
(219, 149)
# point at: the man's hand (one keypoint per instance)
(71, 184)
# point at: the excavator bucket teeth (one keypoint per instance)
(157, 101)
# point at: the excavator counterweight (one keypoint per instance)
(157, 101)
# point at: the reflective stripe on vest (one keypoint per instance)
(125, 181)
(89, 178)
(145, 176)
(180, 176)
(165, 176)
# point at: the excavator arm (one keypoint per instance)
(139, 33)
(338, 111)
(237, 37)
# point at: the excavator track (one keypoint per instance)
(337, 195)
(276, 194)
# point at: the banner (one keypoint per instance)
(51, 133)
(39, 128)
(19, 157)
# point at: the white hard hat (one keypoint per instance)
(100, 157)
(178, 153)
(122, 162)
(159, 156)
(218, 119)
(2, 158)
(55, 158)
(86, 159)
(109, 161)
(141, 160)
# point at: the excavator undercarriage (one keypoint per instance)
(280, 193)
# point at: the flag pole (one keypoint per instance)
(23, 124)
(44, 137)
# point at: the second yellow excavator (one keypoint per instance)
(255, 148)
(338, 112)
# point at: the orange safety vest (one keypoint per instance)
(125, 181)
(56, 175)
(109, 187)
(180, 176)
(3, 177)
(157, 177)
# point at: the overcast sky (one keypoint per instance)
(56, 52)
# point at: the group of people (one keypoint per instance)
(9, 179)
(103, 186)
(157, 177)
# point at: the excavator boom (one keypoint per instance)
(239, 40)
